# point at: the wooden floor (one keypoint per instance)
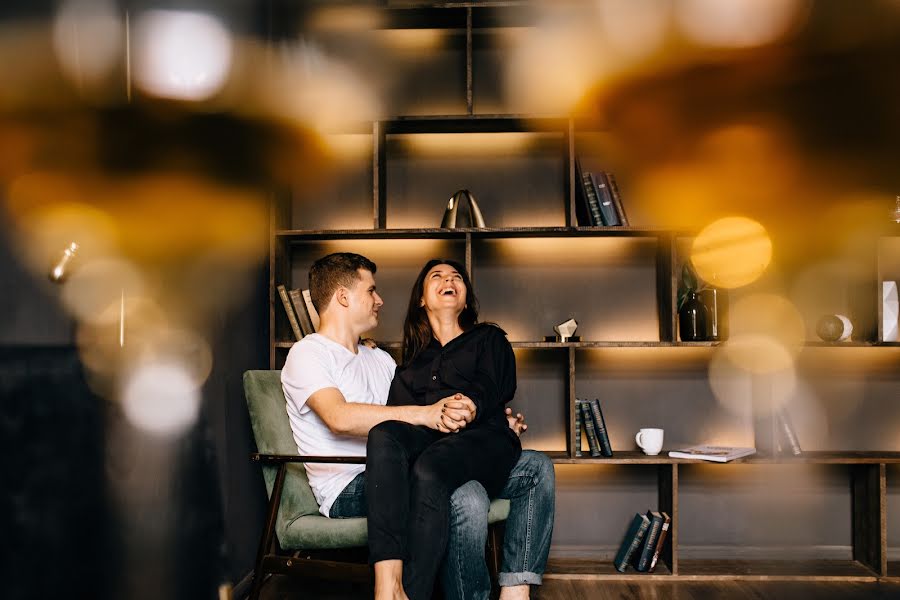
(283, 588)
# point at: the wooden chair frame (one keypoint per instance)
(271, 559)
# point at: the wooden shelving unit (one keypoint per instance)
(292, 248)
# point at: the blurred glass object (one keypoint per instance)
(62, 269)
(88, 38)
(161, 398)
(895, 214)
(738, 23)
(181, 55)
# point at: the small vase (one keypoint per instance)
(716, 303)
(692, 319)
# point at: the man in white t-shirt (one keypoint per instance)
(337, 389)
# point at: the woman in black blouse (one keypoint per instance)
(412, 470)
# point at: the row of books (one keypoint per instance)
(643, 542)
(589, 419)
(599, 202)
(301, 314)
(786, 439)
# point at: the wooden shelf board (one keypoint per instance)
(582, 568)
(632, 457)
(775, 570)
(476, 123)
(563, 345)
(298, 235)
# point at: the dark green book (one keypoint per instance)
(578, 427)
(644, 558)
(588, 421)
(600, 428)
(633, 538)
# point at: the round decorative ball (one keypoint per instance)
(830, 328)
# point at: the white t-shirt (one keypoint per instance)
(317, 362)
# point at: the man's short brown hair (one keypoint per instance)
(333, 271)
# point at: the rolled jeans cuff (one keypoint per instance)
(523, 578)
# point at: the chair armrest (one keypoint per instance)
(295, 458)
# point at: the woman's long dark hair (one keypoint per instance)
(416, 328)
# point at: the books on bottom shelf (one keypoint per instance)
(713, 453)
(301, 314)
(589, 421)
(643, 542)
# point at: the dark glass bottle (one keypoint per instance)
(716, 303)
(692, 319)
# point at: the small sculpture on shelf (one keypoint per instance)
(565, 331)
(475, 217)
(834, 328)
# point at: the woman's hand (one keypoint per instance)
(450, 414)
(516, 423)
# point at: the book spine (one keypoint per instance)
(300, 308)
(582, 208)
(664, 530)
(311, 309)
(617, 199)
(643, 563)
(589, 429)
(292, 318)
(604, 196)
(593, 202)
(600, 424)
(578, 427)
(635, 542)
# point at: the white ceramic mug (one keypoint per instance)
(650, 440)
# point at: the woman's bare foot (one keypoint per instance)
(389, 580)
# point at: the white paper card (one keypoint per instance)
(889, 310)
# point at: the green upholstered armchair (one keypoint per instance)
(305, 539)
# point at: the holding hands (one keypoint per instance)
(451, 414)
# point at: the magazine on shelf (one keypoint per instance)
(713, 453)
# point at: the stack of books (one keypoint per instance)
(599, 203)
(643, 542)
(301, 314)
(589, 420)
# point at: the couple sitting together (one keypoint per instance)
(438, 439)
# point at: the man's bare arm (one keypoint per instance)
(352, 418)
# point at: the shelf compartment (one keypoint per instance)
(530, 285)
(423, 170)
(543, 386)
(775, 570)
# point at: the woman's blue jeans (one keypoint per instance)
(464, 575)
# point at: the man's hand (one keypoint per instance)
(516, 423)
(450, 414)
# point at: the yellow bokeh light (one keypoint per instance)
(731, 252)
